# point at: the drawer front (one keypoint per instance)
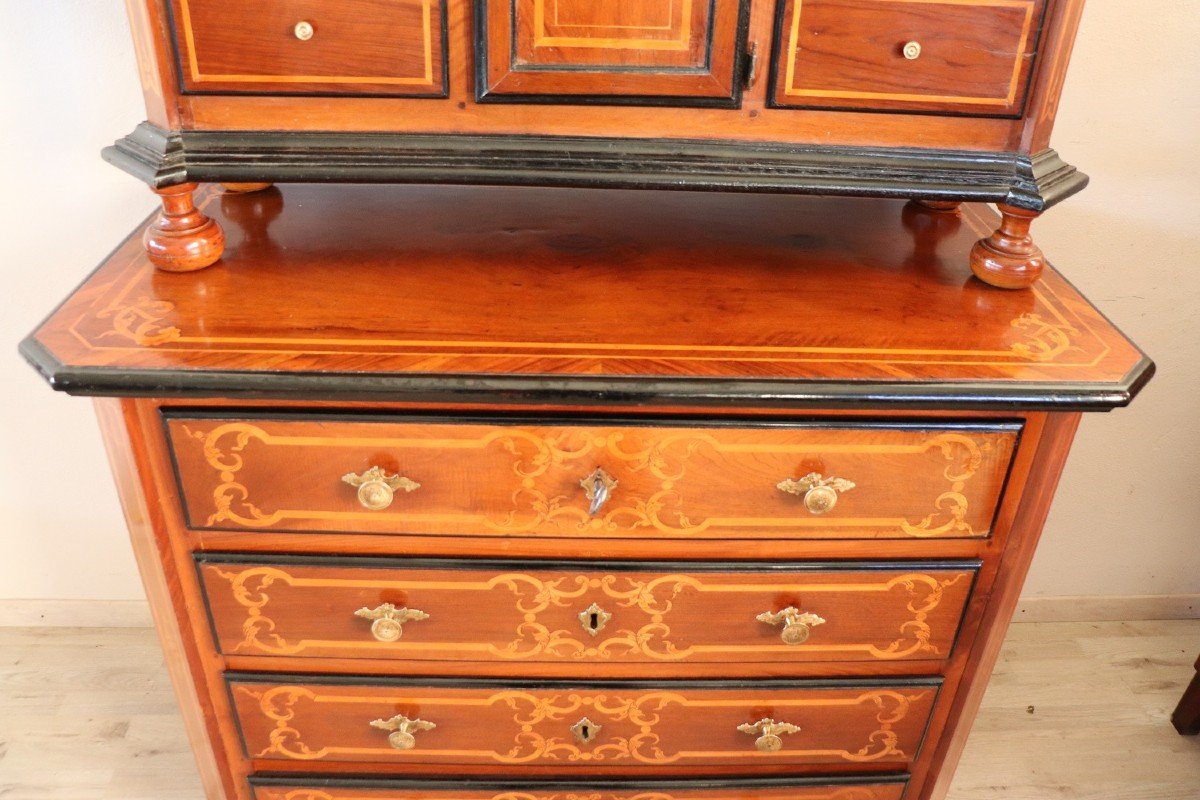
(514, 613)
(352, 47)
(618, 51)
(956, 56)
(572, 727)
(519, 480)
(790, 789)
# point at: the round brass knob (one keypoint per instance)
(402, 729)
(303, 30)
(768, 732)
(389, 630)
(377, 489)
(387, 621)
(797, 624)
(820, 493)
(912, 51)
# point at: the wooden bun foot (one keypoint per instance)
(245, 188)
(1009, 258)
(182, 239)
(945, 206)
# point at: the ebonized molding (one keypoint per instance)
(162, 158)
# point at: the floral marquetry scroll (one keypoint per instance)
(669, 482)
(637, 728)
(546, 616)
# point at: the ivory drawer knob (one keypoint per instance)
(402, 730)
(797, 624)
(820, 493)
(377, 489)
(769, 733)
(304, 30)
(912, 50)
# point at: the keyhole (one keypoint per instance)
(593, 621)
(585, 733)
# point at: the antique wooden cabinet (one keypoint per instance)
(554, 493)
(941, 101)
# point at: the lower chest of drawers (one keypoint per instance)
(375, 605)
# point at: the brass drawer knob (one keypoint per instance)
(912, 50)
(388, 621)
(820, 493)
(769, 733)
(596, 488)
(304, 30)
(402, 729)
(377, 489)
(797, 624)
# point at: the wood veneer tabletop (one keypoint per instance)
(437, 292)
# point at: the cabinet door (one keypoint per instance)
(942, 56)
(673, 52)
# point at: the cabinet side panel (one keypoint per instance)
(1041, 481)
(156, 64)
(1055, 54)
(123, 440)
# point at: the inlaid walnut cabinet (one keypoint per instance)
(470, 493)
(941, 101)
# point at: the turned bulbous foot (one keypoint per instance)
(1008, 258)
(183, 239)
(945, 206)
(245, 188)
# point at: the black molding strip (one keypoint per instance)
(506, 390)
(542, 565)
(468, 784)
(162, 158)
(421, 682)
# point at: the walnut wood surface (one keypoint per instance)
(522, 614)
(752, 121)
(975, 57)
(795, 790)
(655, 730)
(385, 47)
(757, 300)
(524, 480)
(610, 50)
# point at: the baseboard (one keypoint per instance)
(136, 613)
(1108, 609)
(75, 614)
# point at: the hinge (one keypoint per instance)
(750, 70)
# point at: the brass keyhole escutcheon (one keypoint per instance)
(593, 619)
(585, 730)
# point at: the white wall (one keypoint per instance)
(1127, 521)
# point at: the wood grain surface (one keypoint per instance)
(524, 613)
(770, 300)
(510, 479)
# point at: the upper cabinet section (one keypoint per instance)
(678, 52)
(348, 47)
(941, 56)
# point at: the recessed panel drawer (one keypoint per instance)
(382, 47)
(870, 788)
(665, 727)
(602, 481)
(514, 612)
(957, 56)
(686, 52)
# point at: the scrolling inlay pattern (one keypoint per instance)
(654, 599)
(531, 713)
(533, 510)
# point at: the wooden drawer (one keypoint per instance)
(528, 480)
(665, 727)
(615, 51)
(872, 788)
(579, 613)
(960, 56)
(380, 47)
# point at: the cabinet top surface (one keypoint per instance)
(548, 295)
